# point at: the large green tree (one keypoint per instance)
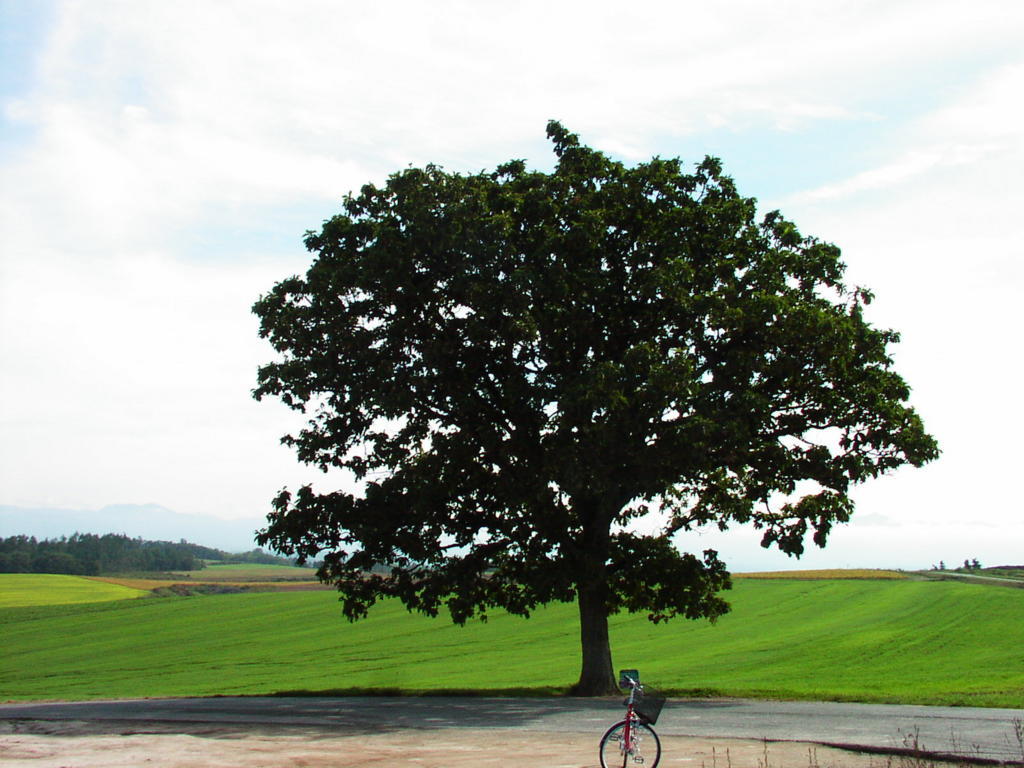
(540, 378)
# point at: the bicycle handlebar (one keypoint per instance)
(631, 682)
(634, 688)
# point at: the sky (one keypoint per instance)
(160, 162)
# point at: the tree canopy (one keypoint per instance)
(538, 379)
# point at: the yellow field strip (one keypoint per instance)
(834, 573)
(29, 589)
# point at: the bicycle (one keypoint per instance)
(632, 740)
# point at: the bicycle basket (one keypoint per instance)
(648, 707)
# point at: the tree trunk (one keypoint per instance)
(596, 675)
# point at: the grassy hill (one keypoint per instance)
(828, 638)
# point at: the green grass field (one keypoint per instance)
(20, 589)
(865, 640)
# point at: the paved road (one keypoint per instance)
(983, 733)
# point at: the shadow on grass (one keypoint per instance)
(523, 692)
(542, 692)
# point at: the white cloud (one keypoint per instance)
(932, 230)
(982, 128)
(132, 383)
(905, 168)
(201, 103)
(162, 111)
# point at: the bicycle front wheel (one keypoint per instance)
(644, 746)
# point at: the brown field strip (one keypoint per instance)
(151, 584)
(834, 573)
(288, 585)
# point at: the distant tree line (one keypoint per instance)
(88, 554)
(91, 555)
(969, 565)
(256, 555)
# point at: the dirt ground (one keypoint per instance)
(74, 745)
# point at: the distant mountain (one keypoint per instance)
(148, 521)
